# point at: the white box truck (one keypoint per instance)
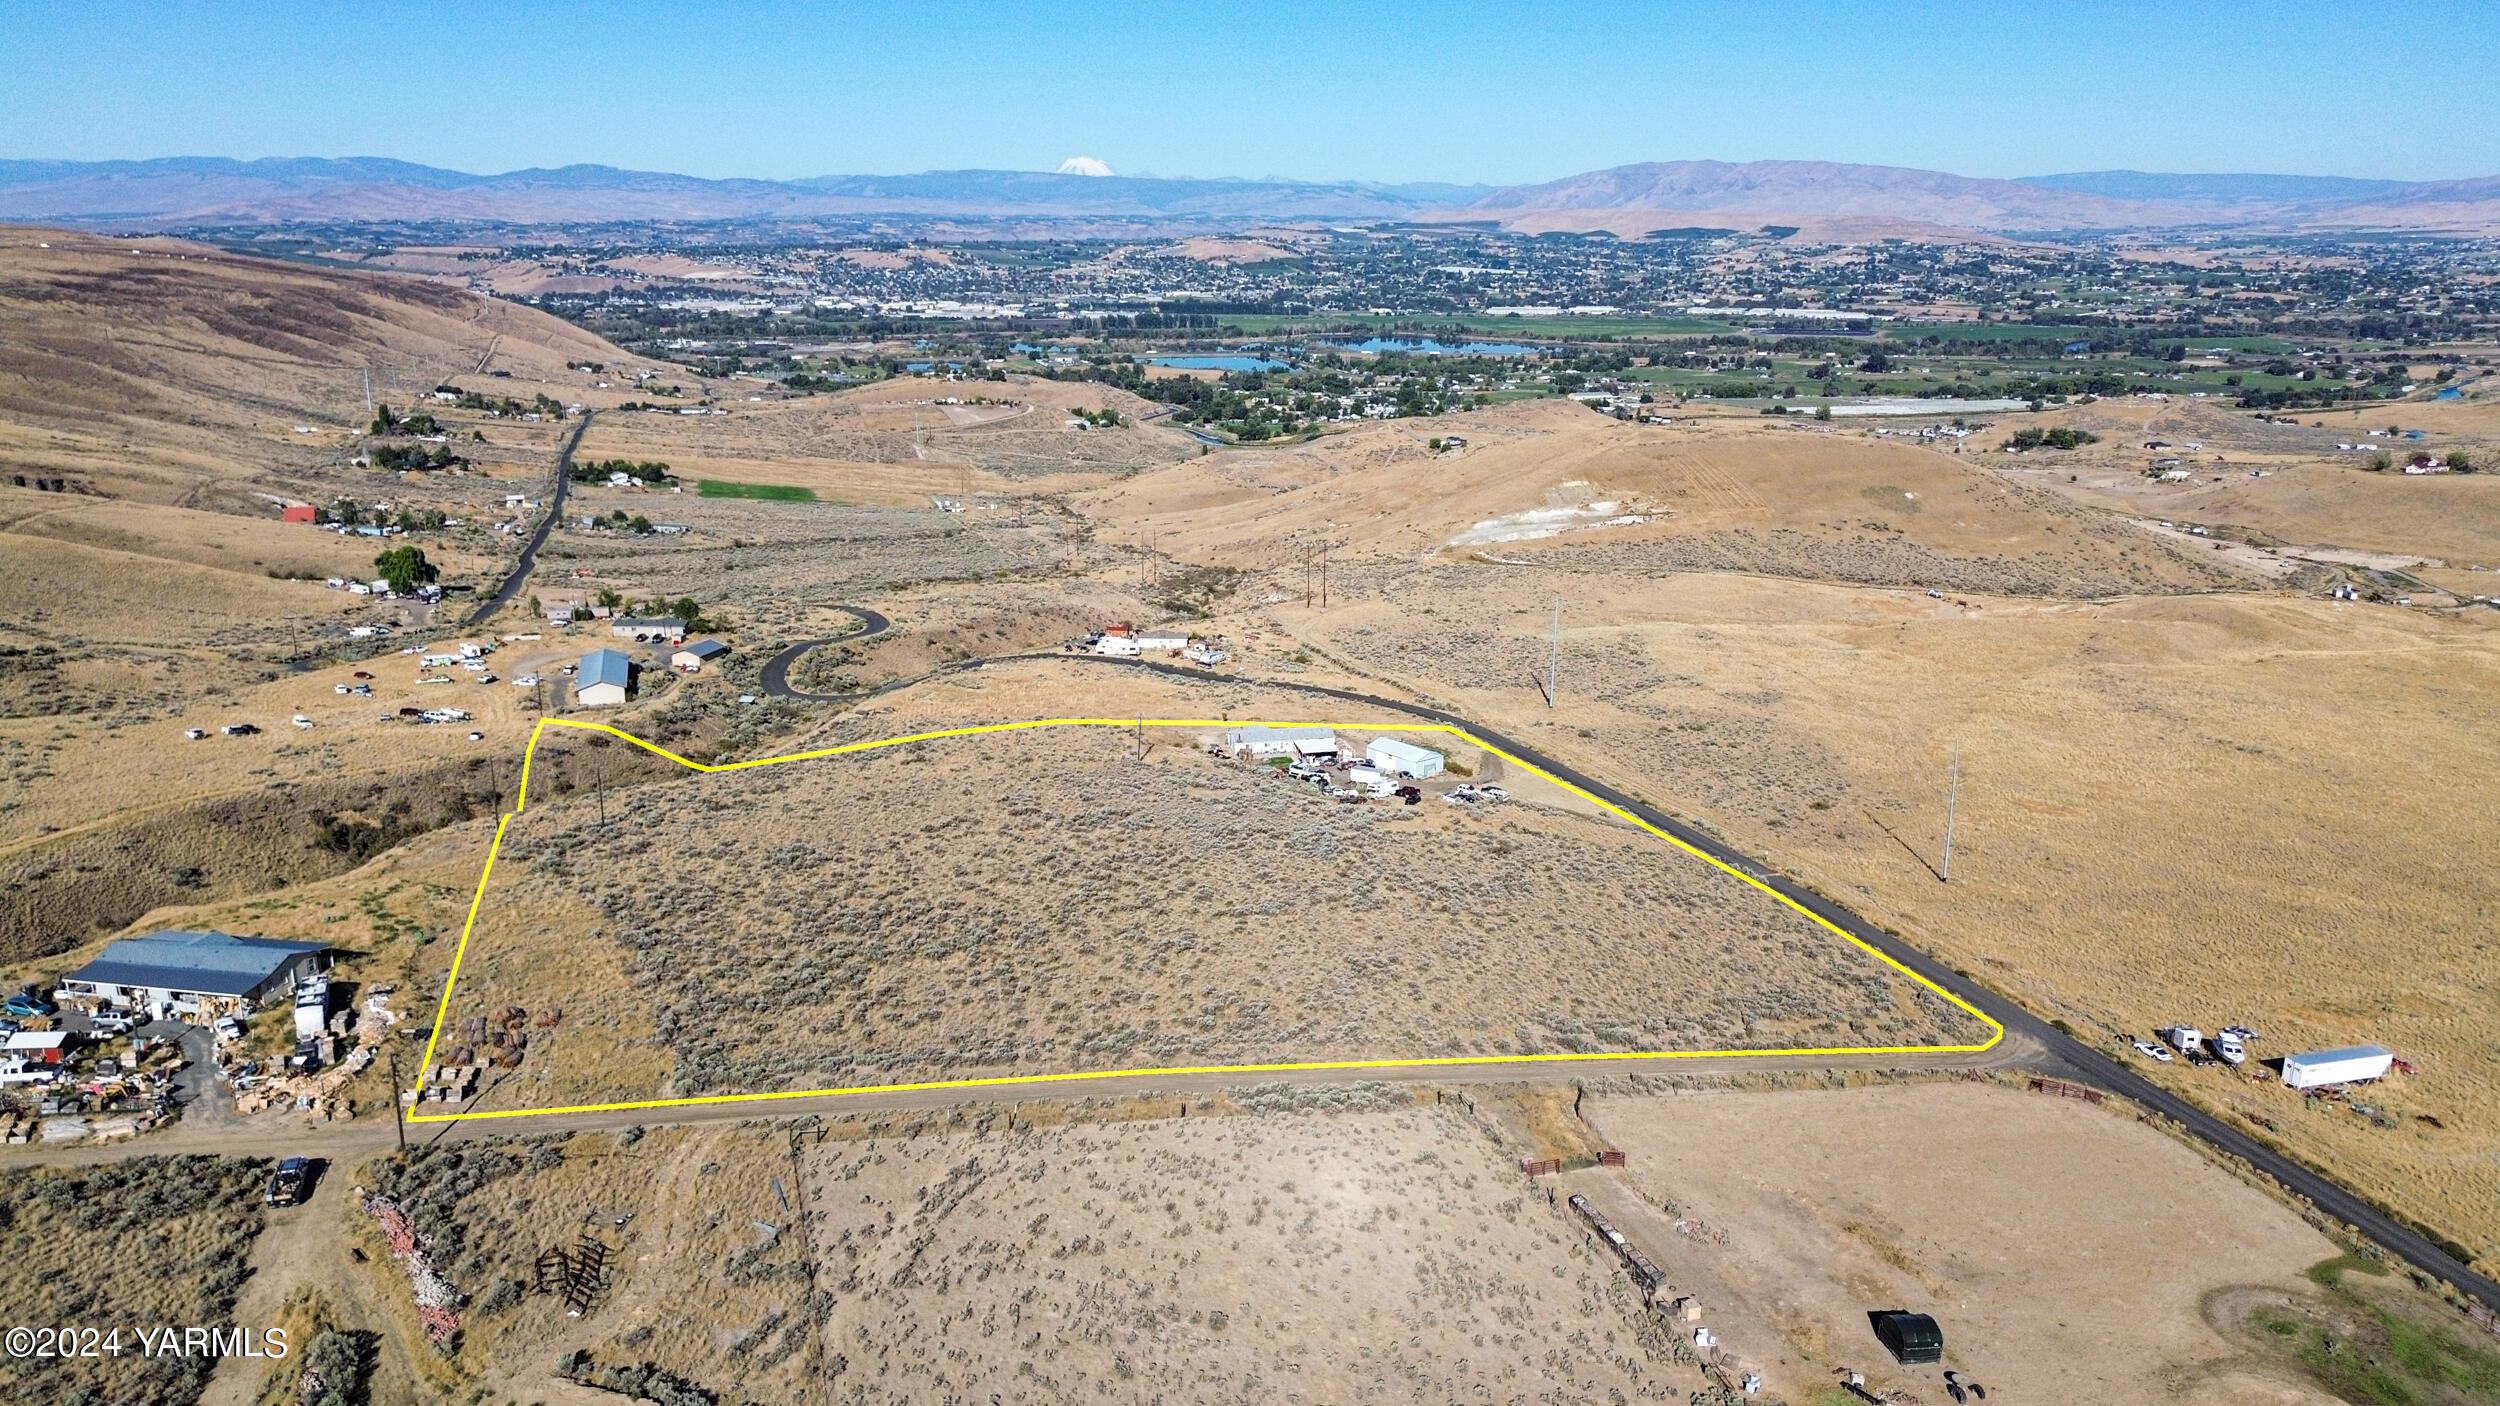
(2352, 1065)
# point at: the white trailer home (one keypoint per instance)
(2350, 1065)
(1260, 740)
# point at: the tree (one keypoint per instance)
(1876, 362)
(2460, 462)
(2176, 353)
(405, 568)
(384, 422)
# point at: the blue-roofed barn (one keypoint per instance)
(194, 972)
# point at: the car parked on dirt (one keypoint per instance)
(290, 1183)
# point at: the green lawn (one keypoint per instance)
(776, 492)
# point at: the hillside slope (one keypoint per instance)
(1548, 480)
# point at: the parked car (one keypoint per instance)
(27, 1005)
(290, 1183)
(227, 1028)
(2152, 1051)
(110, 1025)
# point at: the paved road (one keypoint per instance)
(776, 680)
(520, 576)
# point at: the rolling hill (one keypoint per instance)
(206, 190)
(1828, 199)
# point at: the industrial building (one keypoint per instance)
(191, 973)
(1403, 758)
(1260, 740)
(604, 679)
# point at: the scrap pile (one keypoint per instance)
(437, 1301)
(323, 1093)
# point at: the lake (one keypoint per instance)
(1217, 363)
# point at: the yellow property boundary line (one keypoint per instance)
(442, 1010)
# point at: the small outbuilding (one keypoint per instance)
(693, 657)
(1403, 758)
(604, 679)
(1260, 740)
(1911, 1338)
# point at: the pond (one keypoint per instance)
(1430, 346)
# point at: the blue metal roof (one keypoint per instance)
(706, 649)
(604, 666)
(213, 963)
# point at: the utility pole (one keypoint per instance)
(1553, 661)
(399, 1117)
(1952, 796)
(1323, 576)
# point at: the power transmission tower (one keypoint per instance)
(1952, 797)
(1553, 661)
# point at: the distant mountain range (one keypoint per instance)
(1873, 200)
(215, 190)
(1825, 199)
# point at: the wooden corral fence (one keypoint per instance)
(2062, 1089)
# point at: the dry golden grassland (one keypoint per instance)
(2069, 1253)
(2249, 808)
(1046, 900)
(1788, 500)
(891, 442)
(124, 1247)
(2193, 804)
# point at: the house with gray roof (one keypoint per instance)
(193, 973)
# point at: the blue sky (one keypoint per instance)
(1381, 91)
